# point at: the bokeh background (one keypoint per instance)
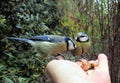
(100, 19)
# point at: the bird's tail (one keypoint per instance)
(23, 39)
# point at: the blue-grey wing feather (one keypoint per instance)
(49, 38)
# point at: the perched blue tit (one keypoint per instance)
(49, 44)
(83, 44)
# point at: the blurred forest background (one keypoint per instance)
(100, 19)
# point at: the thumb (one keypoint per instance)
(103, 63)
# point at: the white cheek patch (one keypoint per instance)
(71, 45)
(83, 39)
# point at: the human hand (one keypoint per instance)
(64, 71)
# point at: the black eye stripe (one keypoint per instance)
(82, 36)
(78, 39)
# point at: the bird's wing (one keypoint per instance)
(49, 38)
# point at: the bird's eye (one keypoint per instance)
(82, 36)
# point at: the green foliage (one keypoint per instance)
(7, 80)
(19, 63)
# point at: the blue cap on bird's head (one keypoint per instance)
(82, 37)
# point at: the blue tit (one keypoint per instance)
(49, 44)
(83, 44)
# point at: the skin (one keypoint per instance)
(64, 71)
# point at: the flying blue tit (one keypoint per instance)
(83, 44)
(49, 44)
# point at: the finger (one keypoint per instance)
(103, 63)
(59, 58)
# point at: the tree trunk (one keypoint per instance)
(115, 53)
